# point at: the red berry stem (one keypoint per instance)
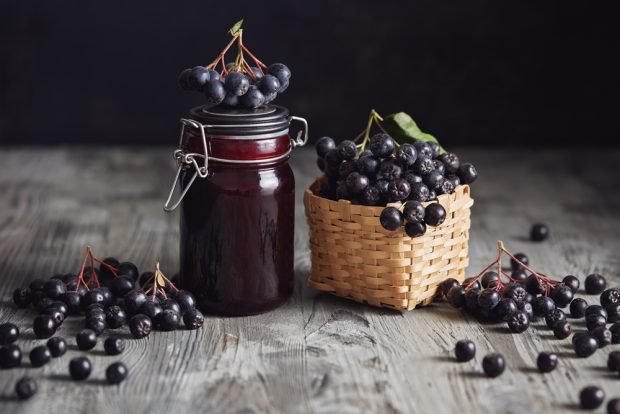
(93, 278)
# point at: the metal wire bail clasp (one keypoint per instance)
(185, 159)
(300, 141)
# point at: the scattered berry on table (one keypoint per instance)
(539, 232)
(116, 373)
(114, 345)
(578, 308)
(25, 388)
(465, 350)
(9, 333)
(572, 282)
(80, 368)
(40, 356)
(613, 406)
(595, 284)
(585, 345)
(86, 339)
(44, 326)
(493, 365)
(591, 397)
(57, 346)
(10, 356)
(547, 361)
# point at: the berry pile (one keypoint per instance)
(108, 295)
(381, 172)
(237, 84)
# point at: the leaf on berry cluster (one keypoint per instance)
(403, 128)
(236, 27)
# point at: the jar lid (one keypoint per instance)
(237, 121)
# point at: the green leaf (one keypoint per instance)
(403, 129)
(236, 27)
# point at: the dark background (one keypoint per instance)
(471, 72)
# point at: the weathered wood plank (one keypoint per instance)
(317, 353)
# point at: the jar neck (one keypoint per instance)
(244, 149)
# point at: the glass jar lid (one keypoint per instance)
(236, 121)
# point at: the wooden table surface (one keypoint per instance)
(317, 353)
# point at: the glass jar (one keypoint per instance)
(237, 208)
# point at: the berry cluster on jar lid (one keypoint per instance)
(381, 172)
(108, 295)
(238, 84)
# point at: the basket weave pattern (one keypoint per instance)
(354, 257)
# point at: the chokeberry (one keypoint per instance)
(40, 355)
(415, 229)
(122, 285)
(128, 269)
(493, 365)
(456, 296)
(423, 166)
(389, 171)
(57, 346)
(382, 145)
(25, 388)
(615, 333)
(116, 373)
(516, 293)
(140, 326)
(73, 301)
(95, 323)
(450, 162)
(610, 297)
(585, 345)
(613, 313)
(554, 316)
(347, 150)
(602, 335)
(151, 309)
(539, 232)
(562, 296)
(115, 317)
(596, 310)
(613, 406)
(419, 192)
(613, 361)
(114, 345)
(9, 333)
(489, 279)
(80, 368)
(547, 361)
(572, 282)
(562, 329)
(434, 214)
(578, 308)
(594, 321)
(406, 155)
(488, 299)
(591, 397)
(413, 211)
(467, 173)
(54, 288)
(10, 356)
(520, 257)
(167, 320)
(193, 319)
(595, 284)
(527, 308)
(398, 190)
(433, 180)
(505, 308)
(134, 301)
(44, 326)
(543, 305)
(323, 145)
(518, 322)
(391, 219)
(86, 339)
(22, 297)
(465, 350)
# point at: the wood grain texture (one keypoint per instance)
(317, 353)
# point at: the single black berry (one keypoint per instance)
(493, 365)
(613, 361)
(10, 356)
(140, 326)
(186, 300)
(86, 339)
(615, 333)
(115, 317)
(547, 361)
(572, 282)
(434, 214)
(518, 322)
(57, 346)
(167, 320)
(114, 345)
(40, 355)
(613, 406)
(415, 229)
(539, 232)
(521, 257)
(382, 145)
(610, 297)
(465, 350)
(44, 326)
(489, 279)
(542, 306)
(562, 329)
(591, 397)
(116, 373)
(516, 293)
(456, 296)
(9, 333)
(585, 345)
(595, 284)
(578, 308)
(602, 335)
(193, 319)
(134, 300)
(406, 155)
(554, 316)
(594, 321)
(25, 388)
(21, 297)
(613, 313)
(488, 299)
(467, 173)
(562, 296)
(323, 145)
(151, 308)
(506, 308)
(391, 219)
(80, 368)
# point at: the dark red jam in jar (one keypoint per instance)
(237, 209)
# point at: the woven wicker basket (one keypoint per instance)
(354, 257)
